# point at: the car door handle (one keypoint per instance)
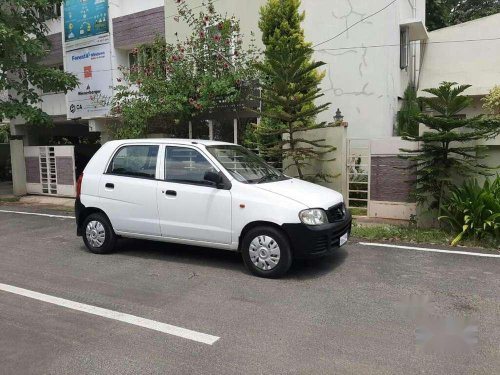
(171, 193)
(109, 186)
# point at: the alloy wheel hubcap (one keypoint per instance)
(95, 233)
(264, 252)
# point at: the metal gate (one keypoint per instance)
(50, 170)
(358, 175)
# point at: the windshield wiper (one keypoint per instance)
(267, 177)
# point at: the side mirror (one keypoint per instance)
(215, 178)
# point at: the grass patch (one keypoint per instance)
(9, 200)
(358, 211)
(414, 234)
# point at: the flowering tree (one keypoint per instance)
(188, 79)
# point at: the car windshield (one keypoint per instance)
(244, 165)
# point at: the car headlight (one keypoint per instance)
(313, 216)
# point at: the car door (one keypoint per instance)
(128, 188)
(189, 207)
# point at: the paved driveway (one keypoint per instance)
(365, 310)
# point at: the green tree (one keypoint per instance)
(443, 13)
(438, 14)
(290, 88)
(448, 149)
(23, 42)
(468, 10)
(186, 80)
(407, 123)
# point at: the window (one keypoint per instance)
(135, 161)
(404, 48)
(186, 165)
(244, 165)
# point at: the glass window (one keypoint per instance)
(135, 161)
(244, 165)
(404, 48)
(187, 165)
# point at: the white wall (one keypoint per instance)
(54, 104)
(134, 6)
(476, 62)
(362, 80)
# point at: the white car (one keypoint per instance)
(206, 193)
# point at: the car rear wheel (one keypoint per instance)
(266, 252)
(98, 235)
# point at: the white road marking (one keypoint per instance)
(430, 250)
(37, 214)
(115, 315)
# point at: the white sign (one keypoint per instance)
(93, 68)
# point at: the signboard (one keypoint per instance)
(86, 22)
(92, 66)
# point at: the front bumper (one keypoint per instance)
(315, 241)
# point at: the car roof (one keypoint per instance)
(179, 141)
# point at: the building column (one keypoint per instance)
(190, 130)
(210, 130)
(235, 130)
(18, 167)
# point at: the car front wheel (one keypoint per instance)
(98, 235)
(266, 252)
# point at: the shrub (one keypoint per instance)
(492, 101)
(474, 211)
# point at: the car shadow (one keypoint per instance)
(223, 259)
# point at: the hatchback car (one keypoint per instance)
(206, 193)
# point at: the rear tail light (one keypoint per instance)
(79, 186)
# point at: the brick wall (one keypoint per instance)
(138, 28)
(390, 180)
(32, 169)
(55, 55)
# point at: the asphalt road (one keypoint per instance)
(365, 310)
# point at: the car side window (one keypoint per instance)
(135, 161)
(186, 165)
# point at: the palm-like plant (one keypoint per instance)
(473, 210)
(446, 150)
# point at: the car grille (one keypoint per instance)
(330, 240)
(336, 213)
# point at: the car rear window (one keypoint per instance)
(135, 161)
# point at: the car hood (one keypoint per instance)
(307, 193)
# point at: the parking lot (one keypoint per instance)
(153, 308)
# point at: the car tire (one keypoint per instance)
(266, 252)
(98, 234)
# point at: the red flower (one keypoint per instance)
(220, 26)
(206, 18)
(202, 34)
(217, 37)
(226, 65)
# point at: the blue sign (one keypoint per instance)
(85, 18)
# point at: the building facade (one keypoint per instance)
(91, 39)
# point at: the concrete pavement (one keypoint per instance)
(365, 310)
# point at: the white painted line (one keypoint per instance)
(430, 250)
(37, 214)
(115, 315)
